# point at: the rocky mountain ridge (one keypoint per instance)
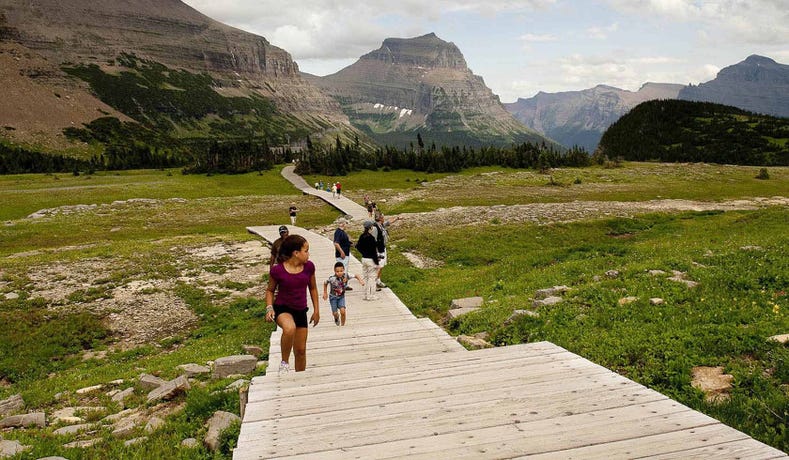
(581, 117)
(424, 85)
(757, 84)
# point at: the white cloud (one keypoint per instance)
(535, 38)
(601, 33)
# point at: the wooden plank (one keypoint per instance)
(743, 449)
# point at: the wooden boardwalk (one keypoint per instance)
(390, 385)
(347, 206)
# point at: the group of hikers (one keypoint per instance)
(335, 189)
(292, 277)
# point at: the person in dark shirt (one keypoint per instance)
(283, 233)
(368, 248)
(342, 246)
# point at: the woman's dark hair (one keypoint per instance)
(289, 245)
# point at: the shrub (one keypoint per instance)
(763, 174)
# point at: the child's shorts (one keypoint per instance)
(336, 303)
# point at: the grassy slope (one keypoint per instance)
(741, 298)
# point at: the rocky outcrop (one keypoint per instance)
(581, 117)
(422, 84)
(757, 84)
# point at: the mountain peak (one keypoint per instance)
(423, 51)
(755, 59)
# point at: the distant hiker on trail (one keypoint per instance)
(370, 209)
(283, 233)
(381, 234)
(342, 245)
(336, 286)
(292, 210)
(291, 278)
(369, 250)
(339, 189)
(334, 190)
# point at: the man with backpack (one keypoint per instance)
(381, 234)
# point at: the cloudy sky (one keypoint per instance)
(521, 47)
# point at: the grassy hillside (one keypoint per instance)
(683, 131)
(73, 281)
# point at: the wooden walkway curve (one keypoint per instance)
(343, 204)
(390, 385)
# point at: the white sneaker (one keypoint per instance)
(283, 367)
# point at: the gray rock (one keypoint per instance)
(11, 296)
(52, 458)
(170, 389)
(72, 429)
(218, 423)
(253, 350)
(120, 397)
(466, 302)
(473, 342)
(518, 313)
(237, 384)
(150, 382)
(38, 419)
(656, 301)
(90, 389)
(657, 272)
(11, 448)
(82, 444)
(124, 428)
(550, 292)
(458, 312)
(680, 277)
(612, 273)
(627, 300)
(10, 405)
(190, 443)
(547, 302)
(192, 370)
(134, 441)
(120, 415)
(781, 338)
(154, 423)
(238, 364)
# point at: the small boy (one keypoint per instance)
(338, 282)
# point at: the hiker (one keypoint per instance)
(291, 278)
(339, 189)
(336, 285)
(368, 248)
(292, 210)
(370, 209)
(283, 233)
(381, 234)
(334, 190)
(342, 245)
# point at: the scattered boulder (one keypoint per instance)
(10, 405)
(656, 301)
(170, 389)
(467, 302)
(120, 415)
(518, 313)
(473, 342)
(121, 396)
(154, 423)
(11, 296)
(69, 414)
(190, 443)
(38, 419)
(547, 302)
(90, 389)
(713, 382)
(150, 382)
(550, 292)
(192, 370)
(237, 384)
(134, 441)
(627, 300)
(238, 364)
(657, 272)
(781, 338)
(90, 354)
(612, 273)
(751, 248)
(124, 427)
(253, 350)
(458, 312)
(680, 277)
(11, 448)
(72, 429)
(82, 444)
(218, 423)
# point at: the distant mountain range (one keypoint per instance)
(757, 84)
(422, 85)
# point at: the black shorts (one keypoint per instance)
(299, 316)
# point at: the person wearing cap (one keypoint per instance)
(381, 235)
(283, 233)
(292, 211)
(368, 248)
(342, 246)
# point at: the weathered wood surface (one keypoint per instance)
(389, 385)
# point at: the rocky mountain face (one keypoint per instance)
(50, 33)
(757, 84)
(422, 85)
(581, 117)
